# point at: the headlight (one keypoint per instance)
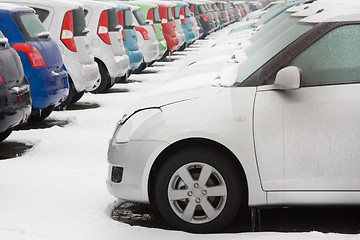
(127, 125)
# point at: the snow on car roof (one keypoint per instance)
(335, 15)
(103, 5)
(13, 7)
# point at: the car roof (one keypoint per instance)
(103, 5)
(15, 8)
(335, 15)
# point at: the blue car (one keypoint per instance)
(185, 14)
(129, 37)
(40, 57)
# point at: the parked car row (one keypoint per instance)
(68, 47)
(283, 132)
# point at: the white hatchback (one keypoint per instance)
(106, 43)
(66, 23)
(145, 33)
(286, 133)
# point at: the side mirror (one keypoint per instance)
(288, 78)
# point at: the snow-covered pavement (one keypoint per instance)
(57, 189)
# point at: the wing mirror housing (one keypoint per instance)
(288, 78)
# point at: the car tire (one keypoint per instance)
(77, 97)
(104, 83)
(5, 134)
(68, 100)
(40, 114)
(196, 201)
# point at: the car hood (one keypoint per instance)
(159, 99)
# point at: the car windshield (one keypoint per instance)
(169, 14)
(156, 15)
(269, 50)
(30, 26)
(270, 31)
(79, 22)
(187, 12)
(112, 20)
(140, 17)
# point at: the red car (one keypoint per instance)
(168, 24)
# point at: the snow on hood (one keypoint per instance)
(172, 93)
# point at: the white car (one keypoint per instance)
(179, 31)
(66, 23)
(106, 43)
(146, 37)
(286, 133)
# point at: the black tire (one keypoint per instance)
(68, 101)
(5, 134)
(140, 68)
(77, 97)
(197, 194)
(104, 83)
(40, 114)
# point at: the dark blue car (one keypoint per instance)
(40, 57)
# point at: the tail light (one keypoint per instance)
(150, 15)
(143, 32)
(120, 16)
(103, 28)
(67, 32)
(203, 17)
(123, 35)
(32, 53)
(182, 16)
(1, 80)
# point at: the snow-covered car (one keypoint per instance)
(106, 43)
(285, 133)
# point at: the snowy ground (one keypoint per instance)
(57, 190)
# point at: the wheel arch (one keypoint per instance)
(200, 142)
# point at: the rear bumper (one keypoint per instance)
(48, 87)
(17, 108)
(135, 57)
(83, 76)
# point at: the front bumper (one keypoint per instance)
(135, 158)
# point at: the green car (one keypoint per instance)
(152, 13)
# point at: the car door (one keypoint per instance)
(308, 139)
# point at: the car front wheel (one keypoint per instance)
(198, 190)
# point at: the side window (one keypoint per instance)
(41, 13)
(333, 59)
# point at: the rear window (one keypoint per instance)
(113, 20)
(79, 22)
(128, 19)
(176, 12)
(41, 13)
(169, 14)
(140, 17)
(156, 15)
(202, 9)
(187, 12)
(30, 27)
